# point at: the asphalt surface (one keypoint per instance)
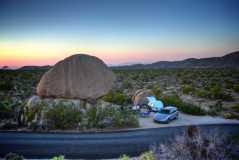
(96, 145)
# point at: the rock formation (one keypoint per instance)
(79, 76)
(140, 96)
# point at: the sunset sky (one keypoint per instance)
(42, 32)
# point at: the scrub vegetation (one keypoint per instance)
(193, 145)
(193, 91)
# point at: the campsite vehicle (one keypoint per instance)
(154, 104)
(166, 114)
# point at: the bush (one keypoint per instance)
(13, 156)
(193, 145)
(147, 156)
(117, 97)
(156, 90)
(215, 109)
(6, 85)
(6, 109)
(182, 106)
(11, 109)
(235, 108)
(127, 85)
(60, 157)
(187, 88)
(102, 117)
(96, 115)
(236, 88)
(202, 93)
(230, 115)
(124, 157)
(63, 117)
(216, 92)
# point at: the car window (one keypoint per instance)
(165, 111)
(172, 111)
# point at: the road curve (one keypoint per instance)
(95, 145)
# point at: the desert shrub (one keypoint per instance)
(182, 106)
(127, 85)
(31, 112)
(235, 108)
(13, 156)
(60, 157)
(125, 118)
(213, 92)
(6, 109)
(193, 145)
(6, 85)
(228, 84)
(147, 156)
(102, 117)
(191, 109)
(63, 117)
(96, 115)
(187, 88)
(26, 75)
(215, 109)
(172, 100)
(216, 92)
(202, 93)
(124, 157)
(11, 109)
(157, 91)
(117, 97)
(230, 115)
(236, 88)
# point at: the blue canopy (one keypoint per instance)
(151, 98)
(154, 103)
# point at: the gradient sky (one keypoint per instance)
(41, 32)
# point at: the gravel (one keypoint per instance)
(185, 119)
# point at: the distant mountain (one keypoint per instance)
(5, 68)
(230, 60)
(27, 68)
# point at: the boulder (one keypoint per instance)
(140, 96)
(79, 76)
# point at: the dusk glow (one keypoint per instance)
(44, 32)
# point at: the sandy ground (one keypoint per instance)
(184, 119)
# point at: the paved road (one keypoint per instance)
(95, 145)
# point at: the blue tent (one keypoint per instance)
(156, 105)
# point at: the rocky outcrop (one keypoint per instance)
(140, 96)
(77, 77)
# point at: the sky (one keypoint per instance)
(42, 32)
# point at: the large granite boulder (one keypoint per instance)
(140, 96)
(79, 76)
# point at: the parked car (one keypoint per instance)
(166, 114)
(154, 104)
